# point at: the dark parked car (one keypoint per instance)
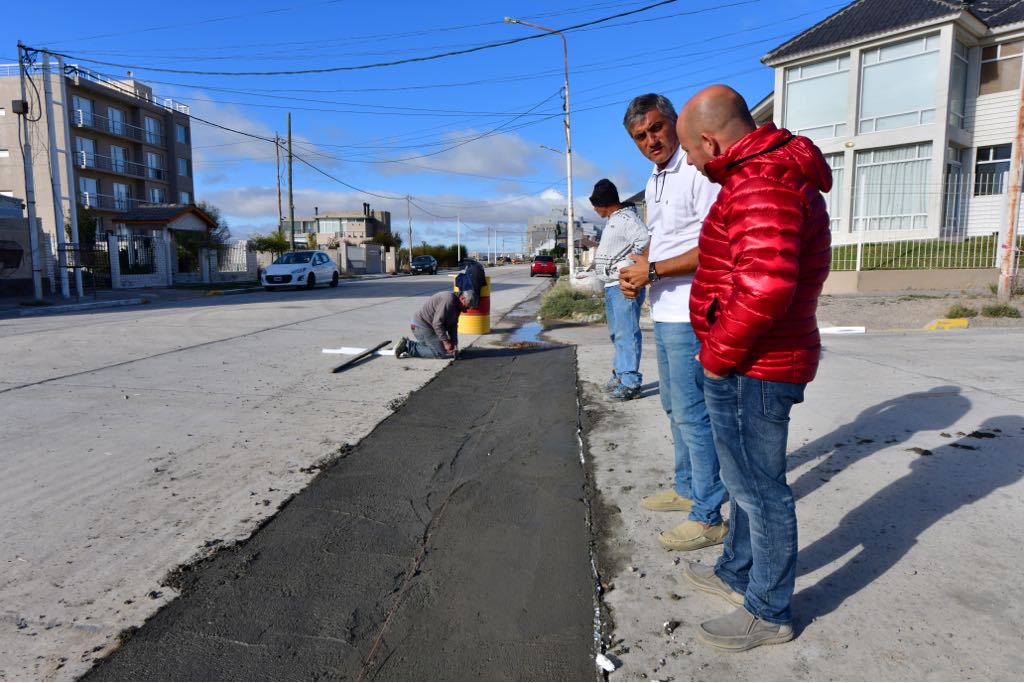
(424, 264)
(544, 265)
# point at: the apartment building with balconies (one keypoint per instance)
(128, 148)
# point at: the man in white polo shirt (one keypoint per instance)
(678, 198)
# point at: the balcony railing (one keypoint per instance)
(124, 167)
(74, 70)
(104, 124)
(107, 201)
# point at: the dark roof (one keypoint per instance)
(866, 18)
(162, 213)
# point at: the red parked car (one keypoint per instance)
(544, 265)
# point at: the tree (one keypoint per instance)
(218, 236)
(388, 239)
(275, 243)
(87, 224)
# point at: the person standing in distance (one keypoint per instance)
(624, 234)
(678, 199)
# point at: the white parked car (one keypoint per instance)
(300, 269)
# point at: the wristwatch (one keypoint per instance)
(652, 274)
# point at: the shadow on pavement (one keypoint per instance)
(862, 437)
(887, 525)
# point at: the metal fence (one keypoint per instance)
(136, 254)
(232, 258)
(887, 232)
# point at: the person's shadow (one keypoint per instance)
(876, 428)
(886, 526)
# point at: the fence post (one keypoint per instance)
(114, 257)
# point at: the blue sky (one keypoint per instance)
(461, 135)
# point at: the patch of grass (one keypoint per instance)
(563, 302)
(1000, 311)
(961, 311)
(972, 252)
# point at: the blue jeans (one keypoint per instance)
(750, 420)
(624, 328)
(427, 344)
(680, 381)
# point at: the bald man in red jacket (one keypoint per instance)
(764, 254)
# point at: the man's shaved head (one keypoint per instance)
(711, 122)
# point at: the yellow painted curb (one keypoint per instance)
(215, 292)
(948, 324)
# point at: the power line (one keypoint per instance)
(360, 67)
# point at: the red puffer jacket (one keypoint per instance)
(765, 250)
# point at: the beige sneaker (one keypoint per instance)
(691, 535)
(703, 577)
(667, 501)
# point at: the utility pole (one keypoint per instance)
(458, 237)
(277, 160)
(291, 201)
(58, 210)
(408, 213)
(70, 170)
(30, 193)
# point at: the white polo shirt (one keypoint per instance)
(678, 199)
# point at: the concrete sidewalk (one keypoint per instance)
(907, 464)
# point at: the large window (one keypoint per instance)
(122, 196)
(1000, 67)
(958, 86)
(329, 225)
(154, 131)
(118, 159)
(154, 166)
(83, 110)
(990, 169)
(185, 167)
(116, 121)
(834, 197)
(181, 133)
(157, 195)
(892, 188)
(898, 84)
(85, 152)
(185, 197)
(816, 96)
(89, 188)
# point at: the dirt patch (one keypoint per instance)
(882, 312)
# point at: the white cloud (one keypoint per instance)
(254, 209)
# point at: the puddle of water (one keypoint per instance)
(528, 333)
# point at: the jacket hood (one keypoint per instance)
(771, 145)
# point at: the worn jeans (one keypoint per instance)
(427, 343)
(680, 381)
(750, 420)
(624, 328)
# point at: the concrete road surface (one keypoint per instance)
(137, 440)
(907, 463)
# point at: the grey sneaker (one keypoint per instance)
(401, 348)
(624, 393)
(703, 577)
(740, 630)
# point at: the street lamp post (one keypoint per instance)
(570, 238)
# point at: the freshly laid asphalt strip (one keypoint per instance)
(450, 544)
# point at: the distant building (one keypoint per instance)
(544, 232)
(354, 227)
(128, 147)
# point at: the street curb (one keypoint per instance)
(66, 308)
